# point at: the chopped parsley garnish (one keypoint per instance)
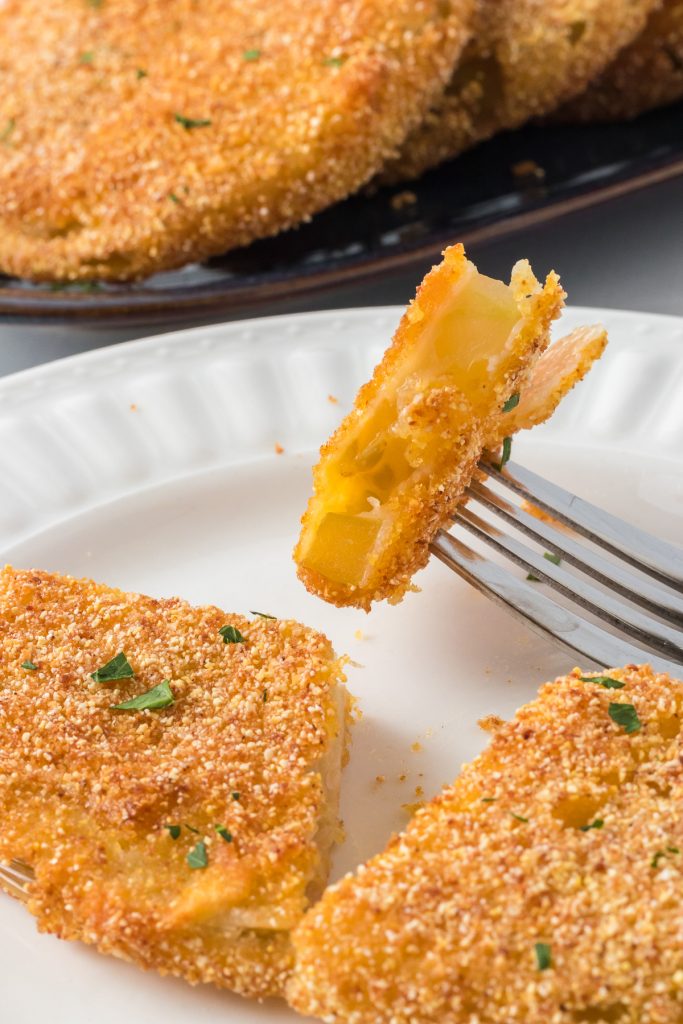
(544, 958)
(141, 73)
(8, 129)
(223, 833)
(263, 615)
(334, 62)
(235, 796)
(192, 122)
(265, 696)
(29, 666)
(488, 799)
(231, 635)
(251, 54)
(505, 455)
(518, 817)
(191, 828)
(626, 716)
(95, 3)
(576, 31)
(198, 856)
(158, 697)
(87, 57)
(606, 681)
(550, 556)
(512, 402)
(174, 198)
(173, 831)
(598, 823)
(118, 668)
(660, 854)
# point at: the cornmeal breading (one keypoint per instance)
(525, 57)
(138, 135)
(106, 806)
(551, 377)
(646, 74)
(544, 886)
(399, 464)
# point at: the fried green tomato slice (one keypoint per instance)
(525, 57)
(646, 74)
(140, 135)
(169, 775)
(399, 464)
(543, 886)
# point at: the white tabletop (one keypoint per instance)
(626, 254)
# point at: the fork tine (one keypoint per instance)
(539, 612)
(647, 553)
(13, 882)
(635, 624)
(618, 577)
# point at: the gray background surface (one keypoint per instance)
(626, 253)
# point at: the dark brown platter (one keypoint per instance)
(515, 180)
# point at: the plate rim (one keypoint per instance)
(139, 346)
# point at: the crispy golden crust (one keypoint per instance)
(561, 367)
(524, 58)
(444, 411)
(442, 927)
(646, 74)
(85, 792)
(98, 179)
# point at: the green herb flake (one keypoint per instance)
(512, 402)
(174, 198)
(141, 73)
(598, 823)
(95, 3)
(223, 833)
(265, 696)
(87, 57)
(191, 828)
(29, 666)
(158, 697)
(191, 122)
(198, 856)
(518, 817)
(550, 556)
(626, 716)
(544, 958)
(118, 668)
(251, 55)
(606, 681)
(576, 31)
(10, 125)
(173, 831)
(235, 796)
(263, 615)
(654, 863)
(334, 62)
(672, 849)
(488, 799)
(231, 635)
(507, 449)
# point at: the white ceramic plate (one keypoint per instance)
(152, 466)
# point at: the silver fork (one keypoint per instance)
(15, 877)
(605, 568)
